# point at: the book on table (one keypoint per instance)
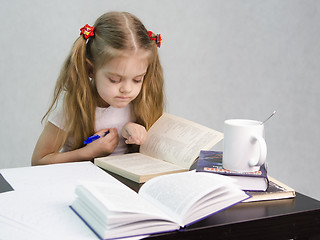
(276, 191)
(258, 185)
(164, 203)
(171, 146)
(211, 162)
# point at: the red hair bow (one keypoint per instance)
(157, 39)
(87, 31)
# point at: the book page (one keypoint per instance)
(177, 194)
(136, 166)
(115, 211)
(178, 140)
(106, 199)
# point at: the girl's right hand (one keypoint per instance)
(103, 146)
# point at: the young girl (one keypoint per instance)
(111, 85)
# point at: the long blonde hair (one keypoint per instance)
(113, 32)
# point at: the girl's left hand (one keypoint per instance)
(134, 133)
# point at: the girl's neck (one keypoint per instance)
(101, 103)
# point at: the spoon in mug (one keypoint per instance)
(268, 117)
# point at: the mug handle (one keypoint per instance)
(263, 152)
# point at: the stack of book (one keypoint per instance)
(257, 184)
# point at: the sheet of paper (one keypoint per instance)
(39, 206)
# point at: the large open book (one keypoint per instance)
(165, 203)
(172, 145)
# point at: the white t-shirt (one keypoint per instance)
(109, 117)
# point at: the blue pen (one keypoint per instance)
(94, 137)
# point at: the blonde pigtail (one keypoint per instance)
(149, 104)
(78, 100)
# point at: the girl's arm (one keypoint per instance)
(50, 141)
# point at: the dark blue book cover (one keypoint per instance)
(211, 161)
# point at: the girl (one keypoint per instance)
(111, 85)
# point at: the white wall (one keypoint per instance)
(222, 59)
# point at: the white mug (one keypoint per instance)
(245, 148)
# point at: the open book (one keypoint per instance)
(172, 145)
(165, 203)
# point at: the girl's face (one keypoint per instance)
(119, 81)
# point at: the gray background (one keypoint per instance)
(221, 59)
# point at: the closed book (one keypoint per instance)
(211, 162)
(276, 190)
